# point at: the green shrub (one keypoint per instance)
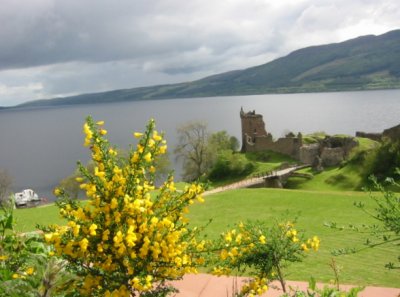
(230, 165)
(387, 159)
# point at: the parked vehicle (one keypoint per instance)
(26, 198)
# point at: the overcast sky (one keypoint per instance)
(53, 48)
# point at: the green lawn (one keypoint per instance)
(27, 218)
(313, 209)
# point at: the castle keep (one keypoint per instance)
(255, 138)
(331, 151)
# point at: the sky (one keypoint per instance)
(57, 48)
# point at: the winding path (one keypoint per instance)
(246, 183)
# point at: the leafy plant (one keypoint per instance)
(266, 250)
(27, 267)
(326, 291)
(387, 216)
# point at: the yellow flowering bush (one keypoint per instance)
(129, 238)
(266, 249)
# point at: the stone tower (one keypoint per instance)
(253, 126)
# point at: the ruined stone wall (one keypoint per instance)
(288, 146)
(392, 133)
(308, 153)
(332, 156)
(256, 143)
(372, 136)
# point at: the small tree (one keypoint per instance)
(199, 149)
(267, 250)
(5, 186)
(222, 141)
(194, 150)
(386, 212)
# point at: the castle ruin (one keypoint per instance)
(331, 151)
(255, 138)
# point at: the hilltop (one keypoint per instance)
(364, 63)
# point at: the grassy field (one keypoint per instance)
(28, 218)
(313, 209)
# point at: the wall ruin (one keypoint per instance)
(255, 138)
(329, 152)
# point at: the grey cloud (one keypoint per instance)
(51, 48)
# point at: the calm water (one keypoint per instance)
(39, 147)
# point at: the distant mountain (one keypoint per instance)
(364, 63)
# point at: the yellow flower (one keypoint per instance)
(156, 136)
(76, 229)
(147, 157)
(151, 143)
(262, 239)
(30, 270)
(228, 237)
(100, 123)
(315, 243)
(200, 199)
(105, 235)
(224, 254)
(92, 229)
(304, 247)
(135, 157)
(15, 275)
(138, 134)
(3, 258)
(84, 244)
(114, 203)
(48, 237)
(163, 149)
(112, 152)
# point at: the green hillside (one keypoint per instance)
(364, 63)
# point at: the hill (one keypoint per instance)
(364, 63)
